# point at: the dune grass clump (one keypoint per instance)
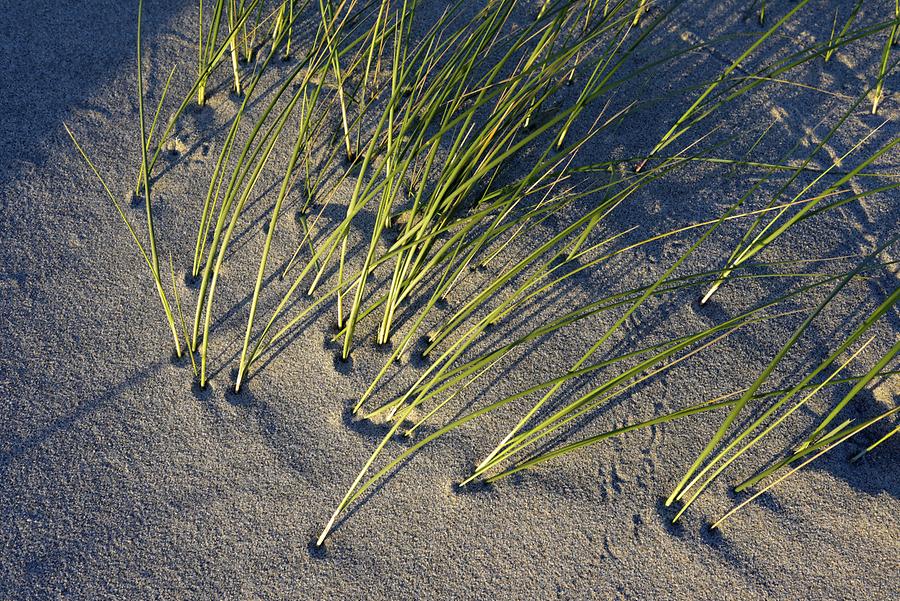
(469, 143)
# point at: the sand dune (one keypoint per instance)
(122, 480)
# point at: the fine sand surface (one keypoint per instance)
(117, 481)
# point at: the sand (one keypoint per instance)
(116, 481)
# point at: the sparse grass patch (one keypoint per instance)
(474, 167)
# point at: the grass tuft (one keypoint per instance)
(451, 181)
